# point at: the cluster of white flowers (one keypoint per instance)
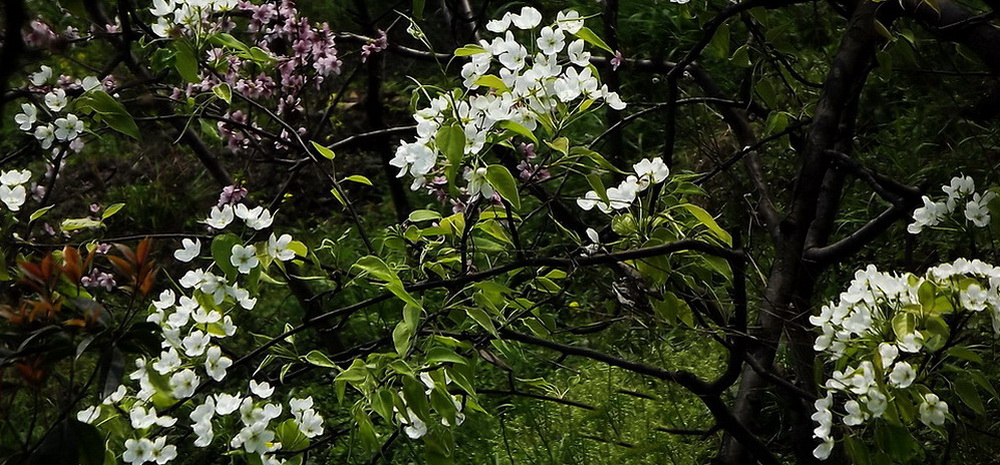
(12, 190)
(256, 218)
(647, 172)
(65, 128)
(961, 192)
(413, 426)
(887, 324)
(171, 14)
(524, 88)
(190, 325)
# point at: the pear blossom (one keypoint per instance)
(42, 76)
(89, 414)
(184, 383)
(977, 209)
(90, 83)
(577, 54)
(138, 451)
(902, 375)
(227, 403)
(652, 170)
(45, 133)
(529, 18)
(216, 364)
(15, 177)
(569, 21)
(500, 25)
(26, 119)
(551, 41)
(254, 439)
(219, 217)
(933, 410)
(277, 247)
(196, 343)
(162, 452)
(190, 249)
(244, 258)
(168, 361)
(13, 197)
(310, 423)
(162, 7)
(56, 100)
(68, 128)
(257, 218)
(262, 389)
(298, 406)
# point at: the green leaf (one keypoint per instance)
(40, 212)
(450, 141)
(903, 324)
(965, 353)
(417, 216)
(359, 179)
(418, 9)
(260, 56)
(112, 112)
(469, 50)
(226, 40)
(73, 224)
(224, 92)
(377, 268)
(320, 359)
(356, 373)
(325, 152)
(741, 57)
(440, 354)
(222, 252)
(382, 403)
(588, 36)
(969, 395)
(598, 186)
(706, 219)
(519, 129)
(597, 158)
(480, 317)
(111, 210)
(186, 62)
(719, 46)
(560, 145)
(492, 82)
(501, 180)
(290, 437)
(402, 338)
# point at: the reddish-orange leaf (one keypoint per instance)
(71, 264)
(126, 251)
(31, 270)
(47, 264)
(123, 267)
(142, 250)
(148, 281)
(31, 371)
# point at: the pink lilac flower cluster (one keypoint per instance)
(304, 56)
(98, 278)
(232, 195)
(529, 171)
(375, 46)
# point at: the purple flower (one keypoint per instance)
(617, 60)
(232, 194)
(375, 46)
(98, 278)
(41, 35)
